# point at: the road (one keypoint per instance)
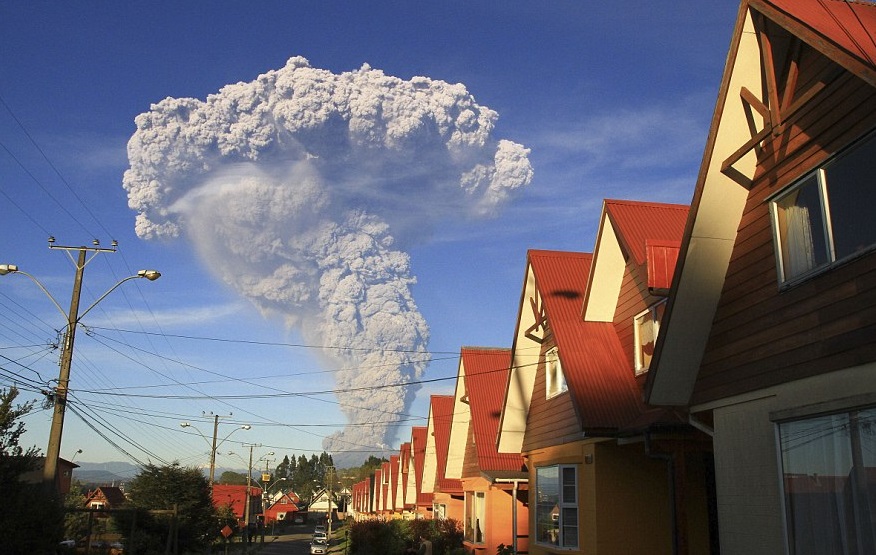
(295, 543)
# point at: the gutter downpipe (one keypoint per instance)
(514, 482)
(670, 472)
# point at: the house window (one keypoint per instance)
(474, 516)
(555, 381)
(645, 327)
(827, 215)
(439, 511)
(556, 511)
(829, 483)
(97, 505)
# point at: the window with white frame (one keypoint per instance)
(555, 380)
(827, 216)
(646, 325)
(829, 483)
(439, 511)
(474, 516)
(556, 510)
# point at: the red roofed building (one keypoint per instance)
(404, 506)
(598, 457)
(282, 509)
(420, 500)
(494, 484)
(234, 496)
(768, 336)
(447, 496)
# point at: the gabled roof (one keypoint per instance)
(843, 28)
(626, 229)
(481, 379)
(404, 464)
(486, 373)
(603, 387)
(233, 496)
(418, 456)
(112, 495)
(285, 502)
(841, 31)
(394, 476)
(440, 418)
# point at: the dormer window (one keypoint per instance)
(555, 381)
(826, 216)
(646, 325)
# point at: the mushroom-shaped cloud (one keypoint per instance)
(310, 185)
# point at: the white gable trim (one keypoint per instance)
(458, 427)
(521, 379)
(607, 276)
(716, 213)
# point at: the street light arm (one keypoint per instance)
(151, 275)
(244, 427)
(13, 269)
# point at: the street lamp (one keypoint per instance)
(73, 316)
(214, 445)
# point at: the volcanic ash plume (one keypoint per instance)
(303, 188)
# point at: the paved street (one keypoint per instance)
(295, 543)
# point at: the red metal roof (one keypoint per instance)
(418, 451)
(662, 257)
(233, 496)
(486, 373)
(637, 222)
(404, 463)
(393, 481)
(848, 24)
(596, 369)
(442, 417)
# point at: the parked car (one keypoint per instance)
(320, 536)
(319, 528)
(318, 547)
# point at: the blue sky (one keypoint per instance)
(612, 100)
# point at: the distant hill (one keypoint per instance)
(108, 473)
(105, 473)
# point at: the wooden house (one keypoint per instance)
(769, 334)
(494, 484)
(446, 493)
(420, 501)
(282, 508)
(607, 474)
(105, 497)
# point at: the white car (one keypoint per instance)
(318, 547)
(320, 536)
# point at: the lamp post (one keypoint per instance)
(73, 316)
(214, 445)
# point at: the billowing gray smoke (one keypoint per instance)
(304, 187)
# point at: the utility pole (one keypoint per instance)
(53, 451)
(247, 508)
(73, 316)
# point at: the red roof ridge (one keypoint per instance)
(670, 205)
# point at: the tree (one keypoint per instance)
(14, 459)
(75, 522)
(37, 520)
(161, 489)
(233, 478)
